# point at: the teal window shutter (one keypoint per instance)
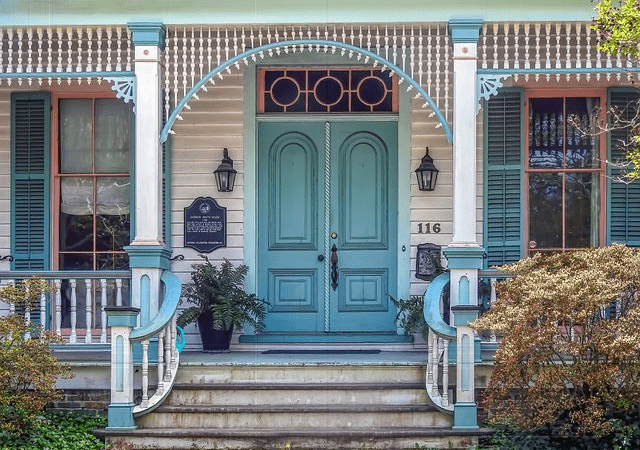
(503, 232)
(623, 205)
(30, 185)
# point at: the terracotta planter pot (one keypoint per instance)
(213, 339)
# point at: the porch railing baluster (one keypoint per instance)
(160, 361)
(103, 313)
(73, 336)
(145, 373)
(59, 310)
(88, 310)
(58, 307)
(43, 310)
(118, 292)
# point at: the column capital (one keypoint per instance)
(464, 257)
(465, 30)
(148, 256)
(147, 33)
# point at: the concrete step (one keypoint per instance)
(294, 416)
(388, 438)
(301, 373)
(254, 393)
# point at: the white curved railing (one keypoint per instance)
(442, 338)
(164, 328)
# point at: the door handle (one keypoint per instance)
(334, 267)
(321, 257)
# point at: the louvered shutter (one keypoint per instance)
(503, 179)
(623, 205)
(30, 215)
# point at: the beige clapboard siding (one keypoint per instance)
(213, 123)
(436, 207)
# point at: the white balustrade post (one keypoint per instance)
(464, 254)
(74, 334)
(58, 309)
(121, 319)
(103, 312)
(88, 309)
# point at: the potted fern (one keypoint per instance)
(220, 303)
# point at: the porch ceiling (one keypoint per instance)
(70, 12)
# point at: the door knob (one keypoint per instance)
(321, 257)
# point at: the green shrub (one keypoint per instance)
(28, 368)
(57, 431)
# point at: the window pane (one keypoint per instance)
(76, 214)
(581, 210)
(113, 136)
(76, 261)
(582, 148)
(545, 210)
(76, 196)
(76, 233)
(112, 196)
(76, 135)
(112, 261)
(112, 232)
(545, 133)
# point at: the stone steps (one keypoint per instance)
(308, 405)
(298, 394)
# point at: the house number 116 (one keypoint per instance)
(428, 228)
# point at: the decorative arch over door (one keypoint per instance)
(408, 50)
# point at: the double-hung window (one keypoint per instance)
(547, 185)
(92, 195)
(564, 172)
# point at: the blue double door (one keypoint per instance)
(327, 231)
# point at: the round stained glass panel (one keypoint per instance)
(285, 91)
(328, 91)
(371, 91)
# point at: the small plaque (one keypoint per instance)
(205, 225)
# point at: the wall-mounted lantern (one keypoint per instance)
(427, 173)
(428, 263)
(225, 173)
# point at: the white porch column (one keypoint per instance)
(464, 254)
(148, 256)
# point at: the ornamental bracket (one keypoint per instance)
(124, 87)
(488, 85)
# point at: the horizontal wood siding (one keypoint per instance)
(436, 207)
(213, 123)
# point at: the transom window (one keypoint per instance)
(326, 91)
(91, 179)
(564, 174)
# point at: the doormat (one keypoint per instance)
(320, 352)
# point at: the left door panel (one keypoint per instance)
(290, 225)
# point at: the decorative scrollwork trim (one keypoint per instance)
(488, 85)
(124, 87)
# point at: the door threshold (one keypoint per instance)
(325, 338)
